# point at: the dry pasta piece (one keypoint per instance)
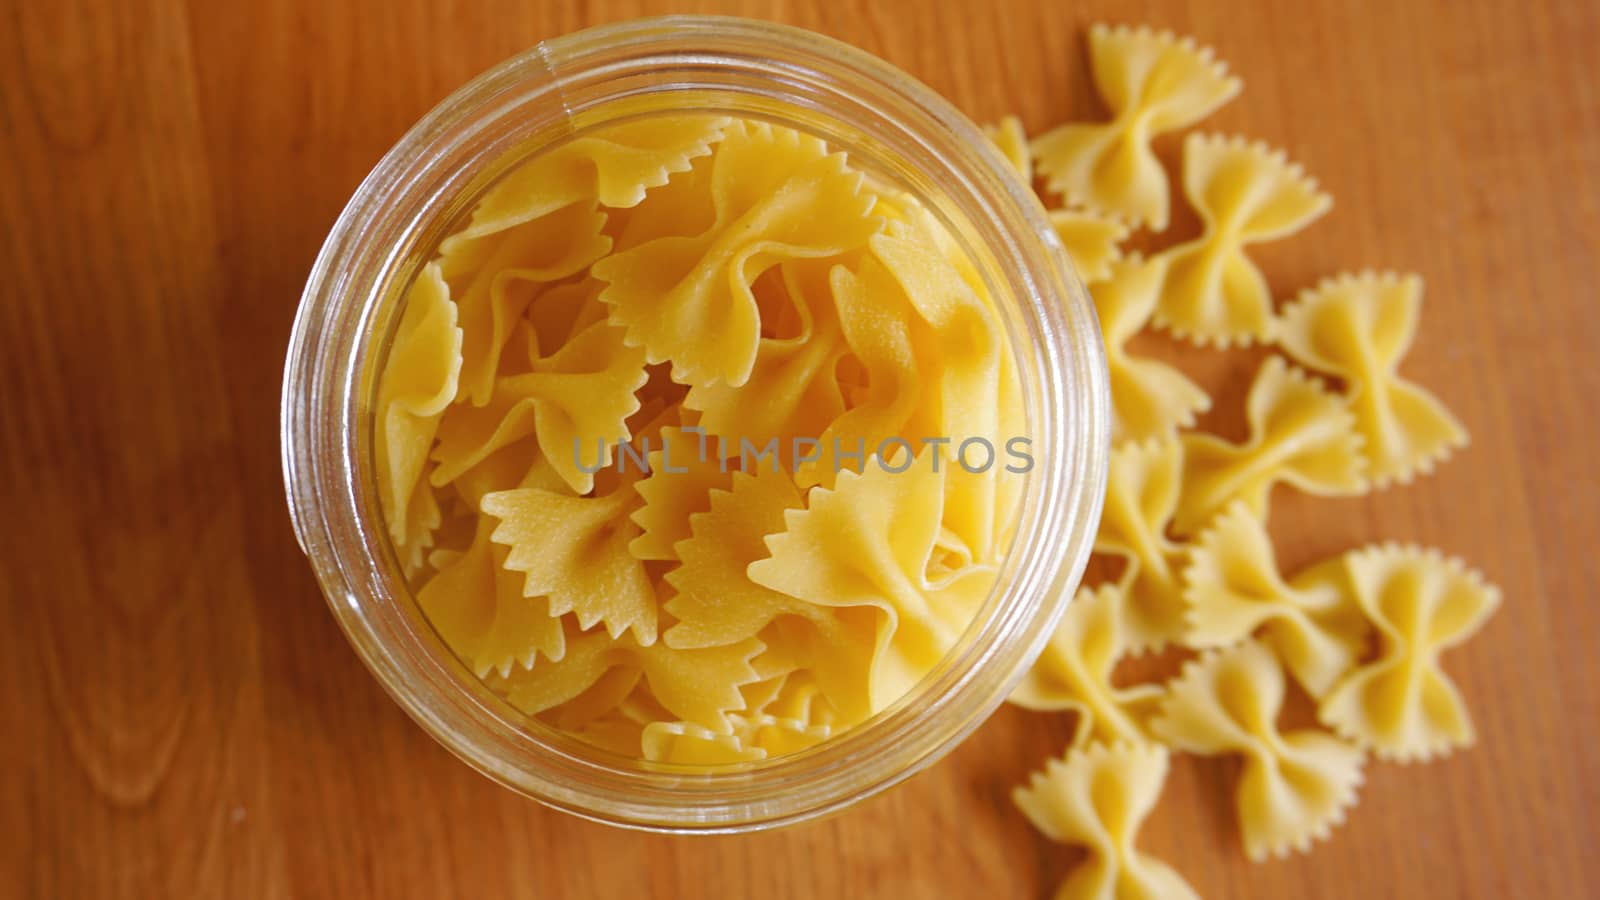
(1011, 140)
(682, 476)
(1153, 83)
(688, 744)
(1295, 786)
(835, 650)
(793, 390)
(1245, 194)
(1402, 705)
(1074, 672)
(614, 167)
(876, 323)
(419, 380)
(1358, 327)
(517, 264)
(1300, 433)
(574, 550)
(964, 342)
(576, 402)
(777, 736)
(1150, 400)
(686, 298)
(1097, 798)
(717, 602)
(1234, 590)
(1091, 241)
(1142, 491)
(867, 543)
(604, 697)
(698, 686)
(478, 608)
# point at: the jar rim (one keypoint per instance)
(322, 420)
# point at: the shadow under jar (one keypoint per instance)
(898, 133)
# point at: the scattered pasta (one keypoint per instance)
(1153, 83)
(1142, 494)
(1357, 327)
(1233, 590)
(1295, 786)
(1091, 241)
(1150, 399)
(1097, 798)
(1186, 511)
(1245, 194)
(1300, 434)
(1402, 705)
(1074, 672)
(1009, 138)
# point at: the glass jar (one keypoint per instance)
(901, 133)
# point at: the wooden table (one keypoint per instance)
(182, 717)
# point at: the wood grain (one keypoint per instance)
(183, 719)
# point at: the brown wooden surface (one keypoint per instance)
(182, 718)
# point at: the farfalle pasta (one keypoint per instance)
(1296, 785)
(1142, 494)
(1300, 434)
(1150, 399)
(666, 473)
(1245, 193)
(1153, 83)
(1233, 589)
(1011, 140)
(1357, 327)
(686, 298)
(1097, 798)
(1090, 240)
(418, 382)
(1402, 705)
(1074, 672)
(868, 543)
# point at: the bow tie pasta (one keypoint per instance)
(682, 386)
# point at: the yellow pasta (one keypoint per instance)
(1142, 493)
(876, 321)
(517, 264)
(717, 602)
(1097, 798)
(1299, 434)
(1074, 672)
(574, 550)
(418, 382)
(1233, 589)
(679, 484)
(576, 402)
(1153, 83)
(478, 608)
(698, 686)
(1402, 705)
(1090, 240)
(1150, 400)
(1358, 327)
(688, 744)
(1009, 138)
(697, 369)
(1295, 786)
(1245, 193)
(867, 543)
(792, 389)
(686, 298)
(614, 168)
